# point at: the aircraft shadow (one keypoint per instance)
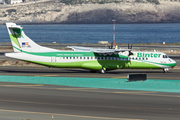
(49, 71)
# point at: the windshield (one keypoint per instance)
(165, 56)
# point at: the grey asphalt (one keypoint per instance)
(30, 102)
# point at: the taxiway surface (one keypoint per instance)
(173, 74)
(45, 102)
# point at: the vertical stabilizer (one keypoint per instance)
(21, 42)
(15, 33)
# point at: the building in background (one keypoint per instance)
(12, 1)
(1, 1)
(15, 1)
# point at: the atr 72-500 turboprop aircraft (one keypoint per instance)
(93, 59)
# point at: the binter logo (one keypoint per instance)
(149, 55)
(26, 45)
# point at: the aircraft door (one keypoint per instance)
(53, 60)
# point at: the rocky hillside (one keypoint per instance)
(123, 12)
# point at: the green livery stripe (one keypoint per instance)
(163, 64)
(141, 65)
(17, 30)
(98, 64)
(91, 64)
(94, 65)
(14, 38)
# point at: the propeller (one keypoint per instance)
(130, 46)
(111, 46)
(130, 52)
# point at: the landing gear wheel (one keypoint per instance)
(166, 70)
(93, 71)
(102, 71)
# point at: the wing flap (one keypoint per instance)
(97, 50)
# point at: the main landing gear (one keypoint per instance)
(102, 70)
(166, 70)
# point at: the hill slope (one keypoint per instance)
(92, 13)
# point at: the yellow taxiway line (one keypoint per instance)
(68, 115)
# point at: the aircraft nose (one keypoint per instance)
(173, 62)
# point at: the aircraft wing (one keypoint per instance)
(97, 50)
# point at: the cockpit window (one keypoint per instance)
(165, 56)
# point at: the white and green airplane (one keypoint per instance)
(93, 59)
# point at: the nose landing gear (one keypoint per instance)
(166, 70)
(102, 70)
